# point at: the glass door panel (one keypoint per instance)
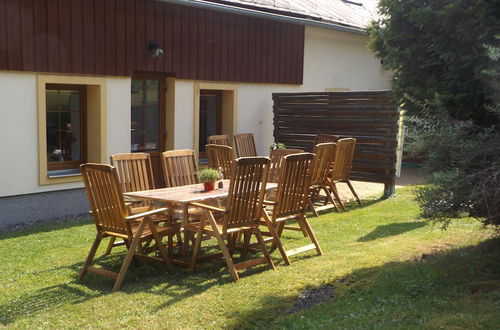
(147, 121)
(210, 117)
(145, 115)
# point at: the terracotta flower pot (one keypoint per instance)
(209, 186)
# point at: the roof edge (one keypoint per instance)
(268, 13)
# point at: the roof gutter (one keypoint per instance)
(260, 14)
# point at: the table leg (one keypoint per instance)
(187, 234)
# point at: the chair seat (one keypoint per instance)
(209, 230)
(162, 230)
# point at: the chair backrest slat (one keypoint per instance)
(276, 156)
(105, 198)
(222, 140)
(135, 171)
(342, 163)
(246, 192)
(293, 184)
(245, 145)
(220, 156)
(179, 167)
(325, 138)
(325, 153)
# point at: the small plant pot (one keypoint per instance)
(209, 186)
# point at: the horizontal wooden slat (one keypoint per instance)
(102, 272)
(300, 249)
(250, 263)
(369, 116)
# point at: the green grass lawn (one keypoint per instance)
(388, 269)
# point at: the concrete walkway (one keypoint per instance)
(409, 176)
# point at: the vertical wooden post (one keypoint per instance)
(389, 188)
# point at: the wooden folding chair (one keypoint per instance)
(222, 140)
(291, 202)
(135, 173)
(245, 145)
(112, 219)
(242, 213)
(276, 156)
(220, 156)
(342, 166)
(325, 138)
(179, 167)
(325, 153)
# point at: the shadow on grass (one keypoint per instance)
(351, 206)
(392, 229)
(148, 278)
(45, 298)
(458, 289)
(44, 227)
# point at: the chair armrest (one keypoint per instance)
(208, 207)
(145, 214)
(270, 202)
(132, 200)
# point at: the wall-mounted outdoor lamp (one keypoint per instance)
(156, 51)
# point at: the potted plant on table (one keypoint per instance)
(208, 176)
(277, 145)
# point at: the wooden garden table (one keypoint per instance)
(182, 196)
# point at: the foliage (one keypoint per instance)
(436, 50)
(464, 170)
(372, 259)
(208, 175)
(446, 74)
(277, 145)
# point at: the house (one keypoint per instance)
(83, 79)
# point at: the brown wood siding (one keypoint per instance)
(110, 37)
(371, 117)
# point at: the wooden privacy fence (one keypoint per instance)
(369, 116)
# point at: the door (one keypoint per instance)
(210, 118)
(148, 119)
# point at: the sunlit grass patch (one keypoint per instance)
(388, 268)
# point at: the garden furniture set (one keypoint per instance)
(256, 197)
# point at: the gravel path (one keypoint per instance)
(311, 297)
(34, 224)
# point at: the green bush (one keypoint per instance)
(277, 145)
(436, 51)
(446, 73)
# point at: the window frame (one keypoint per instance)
(229, 109)
(72, 164)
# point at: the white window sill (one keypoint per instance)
(64, 173)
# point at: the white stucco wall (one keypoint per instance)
(184, 114)
(335, 59)
(119, 115)
(19, 131)
(331, 60)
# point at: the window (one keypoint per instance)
(210, 117)
(65, 128)
(81, 102)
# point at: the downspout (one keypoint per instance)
(255, 13)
